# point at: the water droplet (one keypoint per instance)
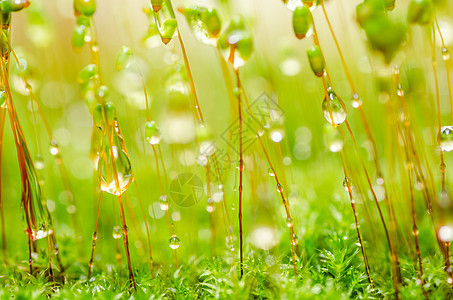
(114, 180)
(163, 203)
(279, 188)
(336, 115)
(445, 54)
(116, 232)
(289, 222)
(446, 138)
(356, 100)
(260, 132)
(271, 172)
(152, 133)
(230, 242)
(174, 242)
(39, 162)
(54, 150)
(415, 231)
(449, 280)
(446, 233)
(347, 184)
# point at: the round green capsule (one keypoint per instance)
(123, 58)
(87, 73)
(97, 115)
(244, 43)
(168, 30)
(316, 60)
(82, 20)
(302, 21)
(110, 110)
(389, 4)
(420, 11)
(211, 19)
(157, 5)
(78, 37)
(85, 7)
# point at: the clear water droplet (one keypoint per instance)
(152, 133)
(356, 100)
(54, 149)
(445, 54)
(114, 180)
(116, 232)
(336, 115)
(446, 138)
(163, 203)
(289, 222)
(271, 172)
(174, 242)
(279, 188)
(230, 242)
(347, 184)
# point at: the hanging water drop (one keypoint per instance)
(356, 100)
(336, 114)
(174, 242)
(54, 150)
(163, 203)
(446, 138)
(152, 133)
(271, 173)
(279, 188)
(114, 166)
(347, 184)
(116, 232)
(445, 54)
(289, 222)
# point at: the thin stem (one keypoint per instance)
(95, 233)
(357, 225)
(241, 168)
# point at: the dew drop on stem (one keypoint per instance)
(174, 242)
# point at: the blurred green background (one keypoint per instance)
(42, 33)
